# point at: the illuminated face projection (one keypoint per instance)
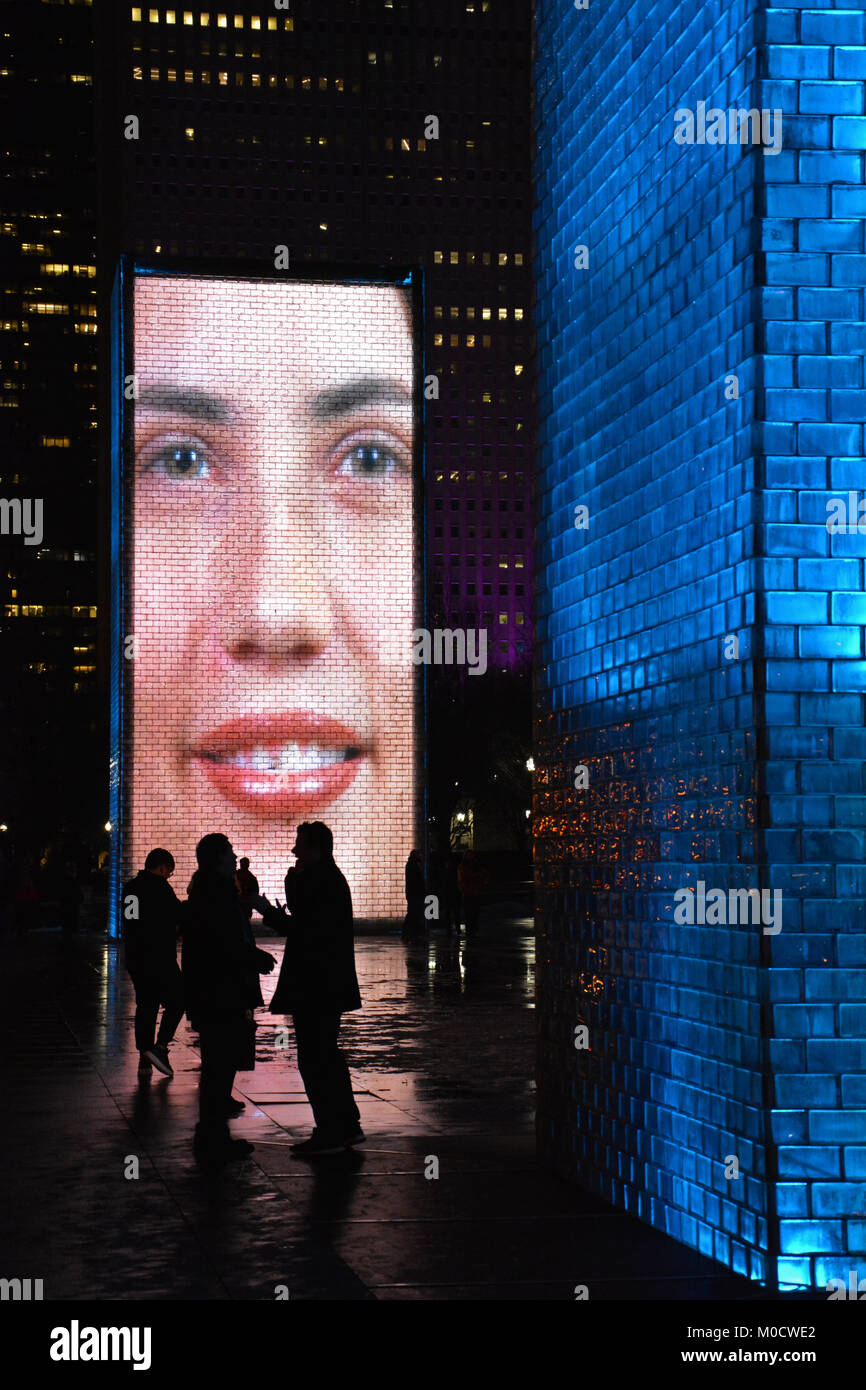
(273, 568)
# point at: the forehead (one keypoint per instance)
(232, 331)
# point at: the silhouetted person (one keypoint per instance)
(7, 889)
(248, 887)
(151, 914)
(219, 964)
(28, 897)
(449, 898)
(415, 890)
(473, 880)
(318, 984)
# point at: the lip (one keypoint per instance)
(318, 758)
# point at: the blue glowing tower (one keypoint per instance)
(700, 265)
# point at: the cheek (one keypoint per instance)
(172, 595)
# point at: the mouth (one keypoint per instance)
(282, 766)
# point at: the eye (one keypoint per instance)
(375, 460)
(179, 461)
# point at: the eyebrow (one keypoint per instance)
(326, 405)
(181, 400)
(368, 390)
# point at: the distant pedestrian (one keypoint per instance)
(318, 984)
(415, 890)
(473, 880)
(70, 896)
(28, 899)
(219, 967)
(151, 915)
(248, 887)
(449, 900)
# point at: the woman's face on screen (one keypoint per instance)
(273, 570)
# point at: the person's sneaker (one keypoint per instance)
(238, 1148)
(210, 1152)
(357, 1136)
(316, 1146)
(158, 1055)
(145, 1066)
(235, 1107)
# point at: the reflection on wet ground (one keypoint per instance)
(442, 1058)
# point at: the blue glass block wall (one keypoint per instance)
(699, 715)
(813, 606)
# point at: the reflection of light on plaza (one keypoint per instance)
(115, 1017)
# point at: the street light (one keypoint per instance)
(107, 825)
(530, 764)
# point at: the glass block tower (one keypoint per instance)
(699, 809)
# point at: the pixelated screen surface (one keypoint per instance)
(271, 576)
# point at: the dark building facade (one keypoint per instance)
(48, 426)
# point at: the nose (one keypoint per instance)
(281, 606)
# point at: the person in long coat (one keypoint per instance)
(220, 976)
(318, 984)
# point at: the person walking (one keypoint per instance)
(449, 903)
(248, 886)
(415, 889)
(473, 879)
(318, 984)
(151, 916)
(219, 967)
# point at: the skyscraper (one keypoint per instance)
(48, 419)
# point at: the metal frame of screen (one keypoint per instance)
(122, 474)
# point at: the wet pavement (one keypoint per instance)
(102, 1198)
